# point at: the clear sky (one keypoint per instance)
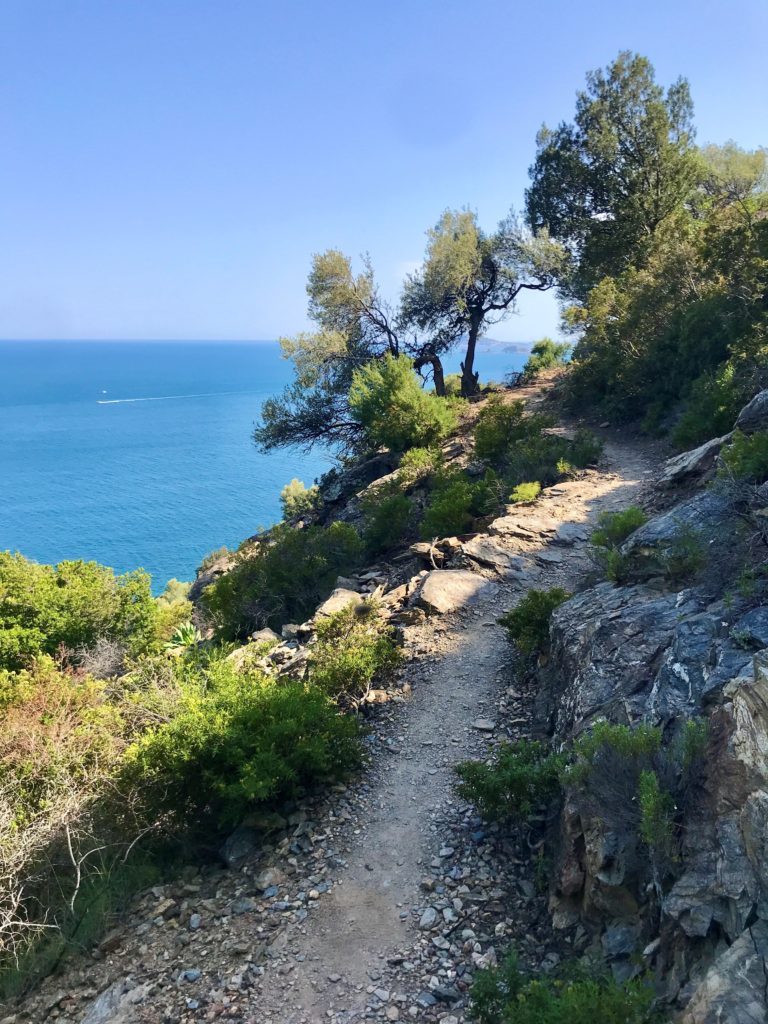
(169, 166)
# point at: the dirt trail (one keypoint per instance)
(393, 892)
(366, 918)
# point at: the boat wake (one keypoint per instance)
(167, 398)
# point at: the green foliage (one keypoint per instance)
(608, 183)
(546, 354)
(522, 777)
(185, 635)
(504, 995)
(449, 510)
(386, 399)
(469, 278)
(282, 578)
(453, 385)
(656, 813)
(72, 604)
(613, 528)
(387, 520)
(418, 464)
(528, 622)
(695, 740)
(746, 457)
(238, 741)
(501, 425)
(354, 646)
(525, 493)
(712, 406)
(630, 743)
(296, 500)
(684, 557)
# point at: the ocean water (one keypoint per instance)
(138, 454)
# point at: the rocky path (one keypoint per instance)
(390, 894)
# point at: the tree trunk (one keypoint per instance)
(438, 376)
(470, 379)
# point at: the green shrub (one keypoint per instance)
(185, 635)
(613, 528)
(504, 995)
(501, 425)
(354, 646)
(525, 493)
(746, 457)
(546, 354)
(630, 743)
(418, 464)
(528, 623)
(684, 557)
(73, 604)
(656, 813)
(282, 578)
(240, 741)
(453, 385)
(387, 400)
(450, 508)
(296, 500)
(521, 778)
(387, 520)
(585, 449)
(712, 407)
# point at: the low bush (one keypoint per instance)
(711, 409)
(521, 778)
(525, 493)
(449, 510)
(214, 556)
(72, 604)
(684, 557)
(613, 528)
(505, 995)
(282, 578)
(387, 400)
(240, 741)
(354, 646)
(656, 814)
(418, 464)
(296, 500)
(546, 354)
(388, 518)
(746, 458)
(528, 622)
(501, 425)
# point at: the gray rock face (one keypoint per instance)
(754, 416)
(338, 600)
(490, 552)
(696, 465)
(734, 987)
(708, 515)
(448, 590)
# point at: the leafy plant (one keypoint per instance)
(746, 457)
(297, 500)
(505, 995)
(387, 520)
(656, 810)
(546, 354)
(525, 493)
(450, 508)
(354, 646)
(613, 528)
(184, 636)
(684, 556)
(528, 622)
(239, 741)
(521, 778)
(387, 400)
(418, 464)
(282, 578)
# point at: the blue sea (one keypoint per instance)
(139, 454)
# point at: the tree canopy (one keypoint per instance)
(604, 184)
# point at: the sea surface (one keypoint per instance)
(139, 454)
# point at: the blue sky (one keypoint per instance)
(169, 166)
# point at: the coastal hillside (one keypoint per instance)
(478, 730)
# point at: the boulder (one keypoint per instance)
(490, 552)
(427, 552)
(531, 527)
(448, 590)
(265, 636)
(696, 465)
(240, 846)
(754, 415)
(733, 989)
(341, 598)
